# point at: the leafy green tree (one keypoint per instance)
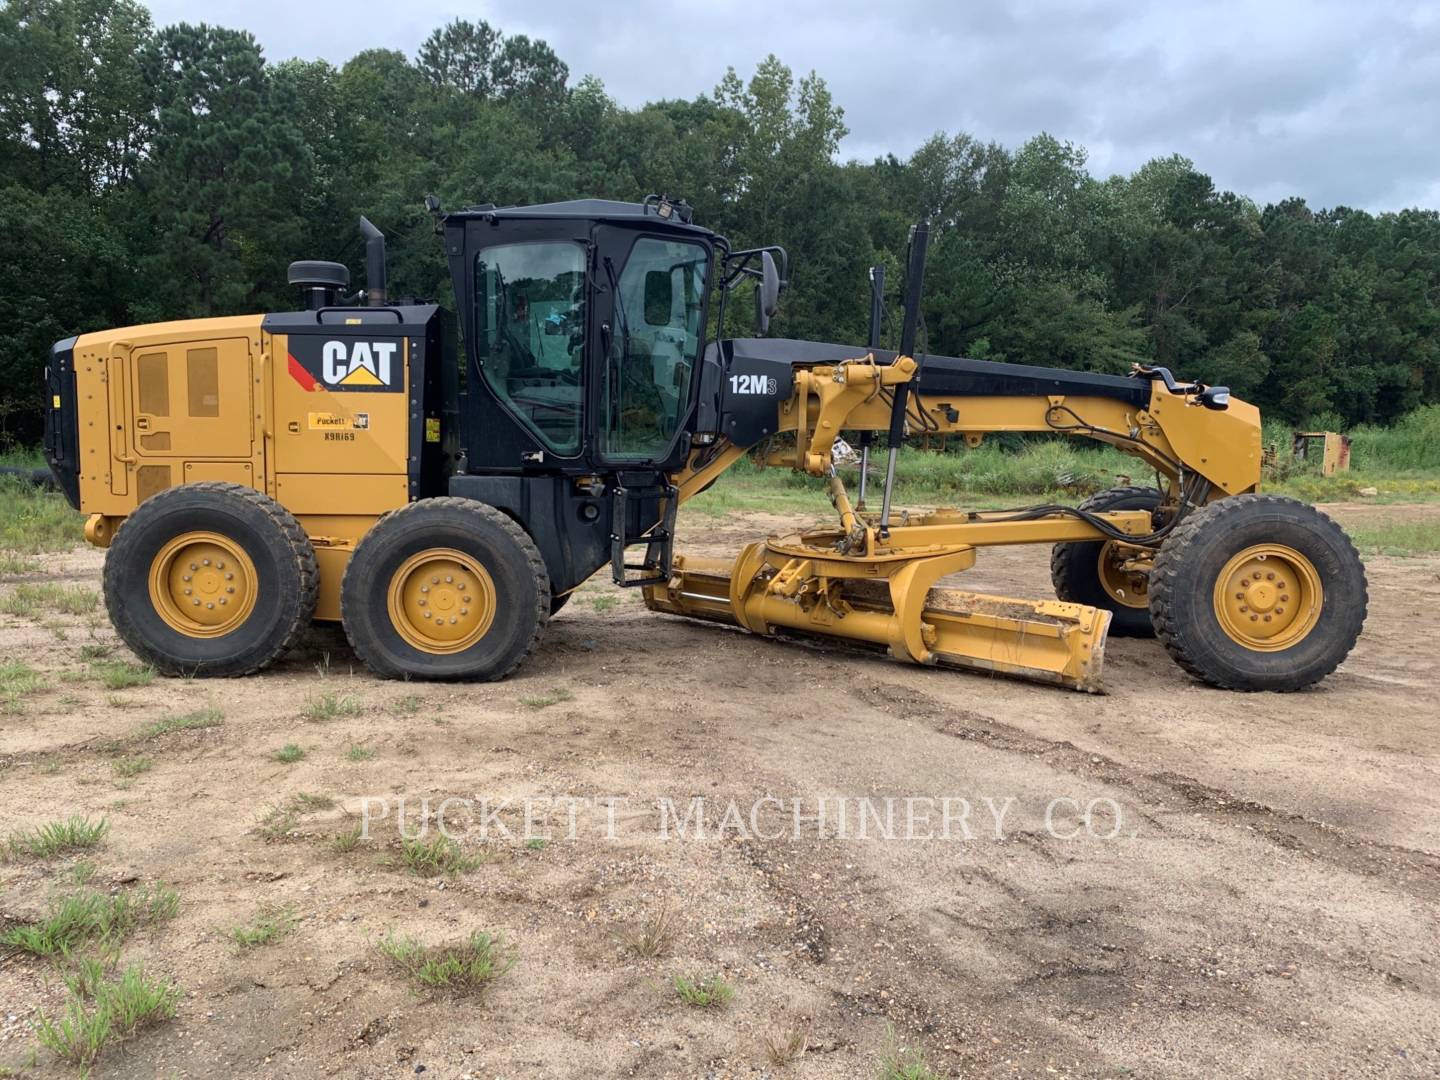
(225, 178)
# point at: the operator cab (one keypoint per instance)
(584, 323)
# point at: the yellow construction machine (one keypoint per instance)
(251, 474)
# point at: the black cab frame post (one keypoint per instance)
(914, 289)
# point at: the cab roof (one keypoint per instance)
(587, 209)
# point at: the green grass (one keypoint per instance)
(1397, 537)
(289, 754)
(18, 681)
(99, 1011)
(712, 992)
(267, 926)
(121, 674)
(356, 752)
(545, 700)
(57, 838)
(895, 1062)
(281, 819)
(199, 720)
(278, 821)
(329, 706)
(438, 855)
(88, 917)
(127, 768)
(604, 602)
(13, 563)
(468, 968)
(408, 705)
(32, 600)
(347, 840)
(36, 520)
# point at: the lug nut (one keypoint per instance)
(1254, 618)
(465, 600)
(196, 602)
(204, 562)
(452, 620)
(1284, 599)
(464, 611)
(1267, 618)
(1270, 577)
(188, 591)
(230, 588)
(185, 577)
(222, 599)
(194, 567)
(448, 579)
(434, 581)
(426, 614)
(229, 577)
(424, 588)
(1239, 596)
(422, 603)
(1279, 611)
(1243, 609)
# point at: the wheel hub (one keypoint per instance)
(1126, 586)
(441, 600)
(1268, 597)
(203, 584)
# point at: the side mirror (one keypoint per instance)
(767, 293)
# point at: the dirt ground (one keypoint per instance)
(1267, 906)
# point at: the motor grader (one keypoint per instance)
(251, 474)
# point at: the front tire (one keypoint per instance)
(1090, 571)
(1258, 592)
(210, 579)
(445, 588)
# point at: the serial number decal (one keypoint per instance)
(752, 384)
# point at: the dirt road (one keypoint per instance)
(1266, 906)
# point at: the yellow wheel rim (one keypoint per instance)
(441, 601)
(203, 584)
(1128, 588)
(1268, 597)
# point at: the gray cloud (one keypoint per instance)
(1334, 101)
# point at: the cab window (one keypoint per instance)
(531, 334)
(654, 344)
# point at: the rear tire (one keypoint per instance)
(1083, 571)
(210, 579)
(1258, 592)
(445, 588)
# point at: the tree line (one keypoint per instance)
(157, 173)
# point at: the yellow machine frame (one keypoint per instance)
(813, 582)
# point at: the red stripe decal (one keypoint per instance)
(300, 375)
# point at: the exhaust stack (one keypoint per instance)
(375, 294)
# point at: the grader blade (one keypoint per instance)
(1045, 641)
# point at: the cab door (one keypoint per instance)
(651, 339)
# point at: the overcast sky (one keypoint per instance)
(1338, 102)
